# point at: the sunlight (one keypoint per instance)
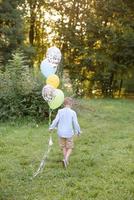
(51, 19)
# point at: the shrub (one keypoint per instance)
(20, 91)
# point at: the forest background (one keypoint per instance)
(96, 38)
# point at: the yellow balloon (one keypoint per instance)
(53, 80)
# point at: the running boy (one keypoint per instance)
(67, 124)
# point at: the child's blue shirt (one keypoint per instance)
(66, 122)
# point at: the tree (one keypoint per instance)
(35, 28)
(70, 36)
(113, 56)
(11, 28)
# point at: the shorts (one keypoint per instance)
(66, 143)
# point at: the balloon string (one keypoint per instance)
(43, 161)
(50, 116)
(49, 122)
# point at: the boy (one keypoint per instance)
(67, 124)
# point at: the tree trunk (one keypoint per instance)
(31, 31)
(111, 84)
(32, 23)
(120, 87)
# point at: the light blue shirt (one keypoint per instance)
(66, 122)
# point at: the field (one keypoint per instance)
(101, 166)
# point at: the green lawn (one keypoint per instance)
(101, 166)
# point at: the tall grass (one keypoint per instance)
(101, 166)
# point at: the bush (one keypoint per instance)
(21, 92)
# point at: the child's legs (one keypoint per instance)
(69, 147)
(66, 145)
(68, 153)
(62, 143)
(64, 152)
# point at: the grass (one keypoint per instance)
(101, 166)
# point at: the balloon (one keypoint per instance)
(53, 55)
(48, 93)
(47, 68)
(53, 80)
(57, 100)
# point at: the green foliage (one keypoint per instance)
(35, 29)
(11, 28)
(97, 39)
(101, 166)
(20, 92)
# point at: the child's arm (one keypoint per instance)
(55, 122)
(76, 124)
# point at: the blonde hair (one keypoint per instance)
(68, 101)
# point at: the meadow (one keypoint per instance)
(101, 166)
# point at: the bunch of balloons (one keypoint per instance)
(53, 96)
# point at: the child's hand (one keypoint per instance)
(50, 130)
(79, 134)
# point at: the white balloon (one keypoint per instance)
(53, 55)
(48, 93)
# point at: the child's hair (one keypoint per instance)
(68, 101)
